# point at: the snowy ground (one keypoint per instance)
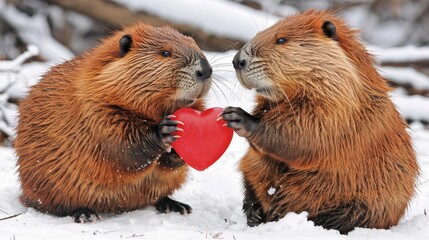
(214, 194)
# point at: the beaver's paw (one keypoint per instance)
(242, 122)
(166, 128)
(85, 215)
(254, 215)
(167, 204)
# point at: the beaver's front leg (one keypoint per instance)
(170, 161)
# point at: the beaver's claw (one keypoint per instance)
(242, 122)
(167, 128)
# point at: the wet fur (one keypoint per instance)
(328, 138)
(87, 132)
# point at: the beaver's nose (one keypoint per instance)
(205, 71)
(238, 61)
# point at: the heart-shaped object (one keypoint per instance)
(203, 140)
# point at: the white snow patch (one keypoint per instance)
(271, 191)
(35, 30)
(15, 64)
(274, 7)
(405, 75)
(28, 75)
(400, 54)
(218, 17)
(414, 107)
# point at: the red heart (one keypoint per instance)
(203, 140)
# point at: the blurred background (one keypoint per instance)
(395, 31)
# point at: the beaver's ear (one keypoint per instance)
(329, 30)
(125, 45)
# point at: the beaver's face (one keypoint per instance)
(296, 55)
(157, 66)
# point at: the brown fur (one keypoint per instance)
(83, 128)
(330, 140)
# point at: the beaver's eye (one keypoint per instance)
(281, 41)
(166, 54)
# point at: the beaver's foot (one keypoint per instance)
(252, 207)
(254, 215)
(240, 121)
(344, 217)
(167, 204)
(85, 215)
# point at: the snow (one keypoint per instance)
(405, 75)
(8, 111)
(27, 76)
(271, 191)
(35, 30)
(215, 194)
(15, 80)
(219, 17)
(273, 6)
(412, 107)
(400, 54)
(14, 65)
(393, 27)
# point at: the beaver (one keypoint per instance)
(324, 136)
(94, 135)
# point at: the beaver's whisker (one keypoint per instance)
(272, 102)
(229, 65)
(283, 92)
(215, 90)
(227, 87)
(221, 78)
(238, 87)
(221, 58)
(224, 81)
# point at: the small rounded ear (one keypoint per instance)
(329, 30)
(125, 45)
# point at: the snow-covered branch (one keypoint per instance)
(14, 65)
(35, 30)
(406, 54)
(8, 111)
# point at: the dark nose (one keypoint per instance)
(238, 62)
(205, 72)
